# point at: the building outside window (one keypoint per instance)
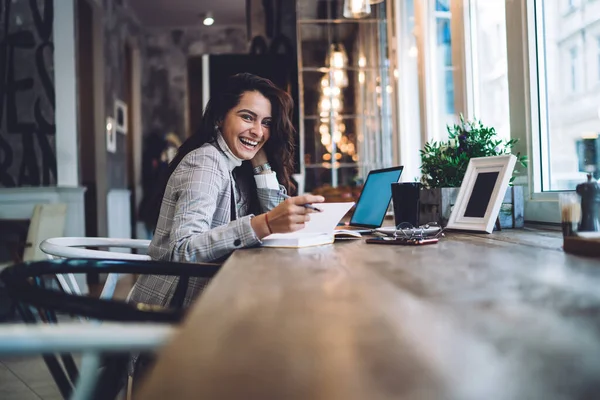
(573, 68)
(572, 116)
(598, 57)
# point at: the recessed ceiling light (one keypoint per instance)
(208, 19)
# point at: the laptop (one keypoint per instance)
(374, 200)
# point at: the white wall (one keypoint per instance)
(65, 83)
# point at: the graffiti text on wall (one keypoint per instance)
(27, 98)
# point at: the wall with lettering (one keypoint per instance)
(27, 99)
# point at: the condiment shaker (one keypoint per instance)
(590, 205)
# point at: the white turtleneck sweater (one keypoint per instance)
(266, 181)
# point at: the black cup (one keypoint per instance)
(406, 202)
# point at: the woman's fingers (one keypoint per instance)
(307, 199)
(291, 215)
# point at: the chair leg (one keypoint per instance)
(112, 377)
(62, 282)
(67, 360)
(88, 379)
(58, 374)
(70, 366)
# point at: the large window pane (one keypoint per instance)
(407, 73)
(346, 93)
(569, 64)
(442, 5)
(488, 39)
(443, 69)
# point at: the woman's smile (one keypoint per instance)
(246, 127)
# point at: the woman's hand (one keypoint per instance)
(288, 216)
(260, 158)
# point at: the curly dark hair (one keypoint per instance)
(279, 148)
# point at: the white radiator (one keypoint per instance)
(119, 215)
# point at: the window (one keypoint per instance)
(598, 57)
(490, 77)
(443, 66)
(565, 121)
(525, 67)
(570, 4)
(573, 68)
(406, 73)
(436, 67)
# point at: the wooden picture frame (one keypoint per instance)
(120, 117)
(481, 192)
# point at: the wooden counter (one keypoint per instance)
(501, 316)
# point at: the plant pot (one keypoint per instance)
(437, 204)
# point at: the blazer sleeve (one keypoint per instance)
(197, 184)
(269, 191)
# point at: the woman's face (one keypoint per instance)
(246, 126)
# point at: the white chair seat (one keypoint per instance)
(74, 247)
(71, 247)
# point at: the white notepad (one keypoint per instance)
(318, 231)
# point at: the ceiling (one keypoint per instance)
(185, 13)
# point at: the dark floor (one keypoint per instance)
(25, 378)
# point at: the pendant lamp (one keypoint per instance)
(356, 8)
(337, 60)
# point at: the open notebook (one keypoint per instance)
(318, 231)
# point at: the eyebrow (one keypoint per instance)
(251, 112)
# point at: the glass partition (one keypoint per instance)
(345, 95)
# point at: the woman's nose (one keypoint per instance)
(257, 129)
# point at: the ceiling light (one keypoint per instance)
(356, 8)
(375, 1)
(208, 19)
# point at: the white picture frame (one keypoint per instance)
(111, 136)
(121, 117)
(481, 193)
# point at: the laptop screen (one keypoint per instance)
(375, 197)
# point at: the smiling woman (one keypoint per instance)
(226, 187)
(246, 126)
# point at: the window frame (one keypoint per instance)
(527, 98)
(429, 85)
(528, 106)
(597, 58)
(410, 135)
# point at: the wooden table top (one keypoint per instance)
(502, 316)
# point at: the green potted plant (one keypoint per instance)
(444, 164)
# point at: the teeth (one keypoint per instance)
(248, 142)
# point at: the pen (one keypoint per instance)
(285, 196)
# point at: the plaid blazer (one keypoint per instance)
(195, 224)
